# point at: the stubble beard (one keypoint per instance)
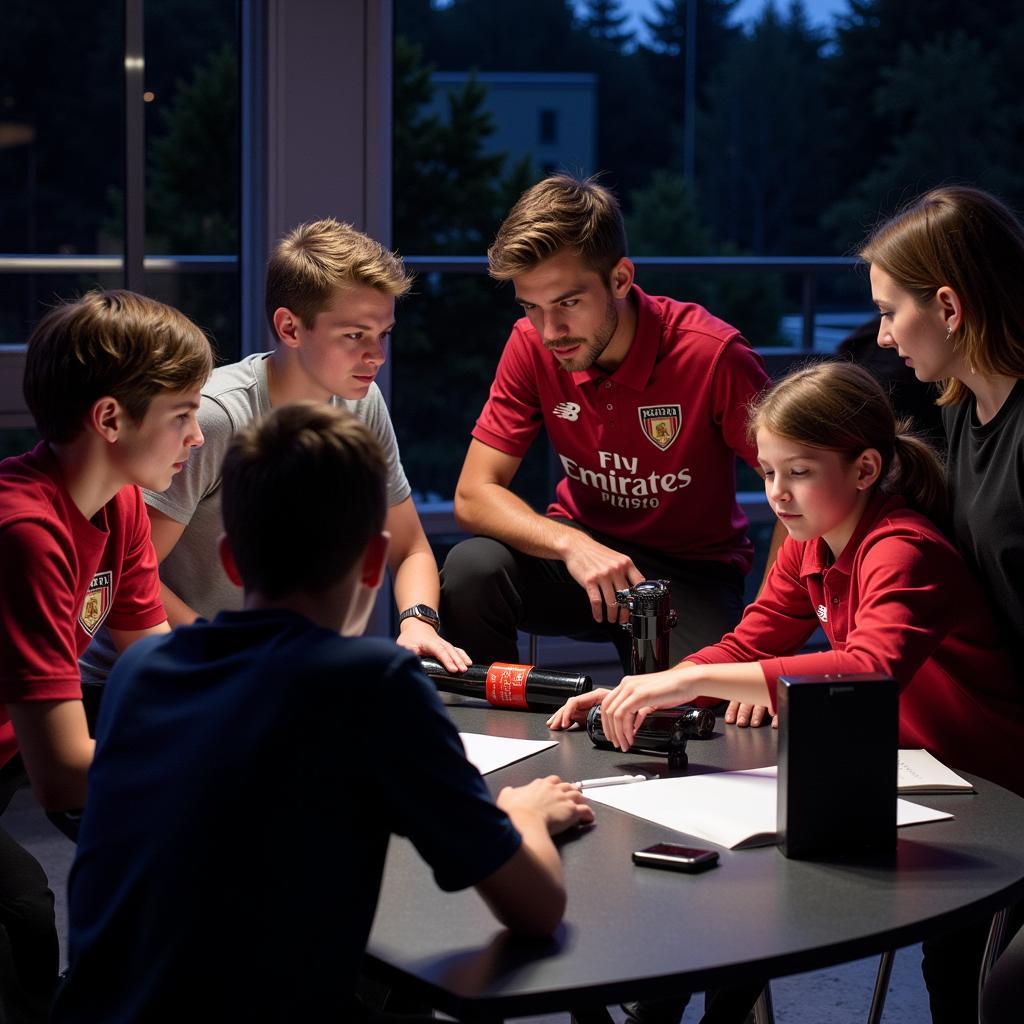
(592, 347)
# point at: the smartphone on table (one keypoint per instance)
(675, 858)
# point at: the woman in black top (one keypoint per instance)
(947, 275)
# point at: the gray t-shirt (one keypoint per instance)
(233, 397)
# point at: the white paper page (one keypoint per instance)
(489, 753)
(917, 814)
(728, 808)
(919, 771)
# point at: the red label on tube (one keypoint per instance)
(506, 685)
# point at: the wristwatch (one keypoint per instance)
(424, 613)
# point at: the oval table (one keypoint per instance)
(632, 932)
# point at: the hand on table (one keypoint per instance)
(559, 804)
(574, 710)
(421, 638)
(601, 571)
(743, 715)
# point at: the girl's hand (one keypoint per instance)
(575, 709)
(625, 707)
(748, 714)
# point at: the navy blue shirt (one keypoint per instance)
(248, 774)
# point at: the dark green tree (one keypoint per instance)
(450, 194)
(879, 153)
(605, 21)
(528, 35)
(760, 156)
(666, 221)
(943, 84)
(665, 59)
(189, 209)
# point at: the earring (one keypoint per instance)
(949, 332)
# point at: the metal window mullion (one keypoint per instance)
(134, 147)
(253, 143)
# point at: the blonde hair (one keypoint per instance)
(303, 493)
(840, 407)
(560, 212)
(117, 344)
(967, 240)
(315, 259)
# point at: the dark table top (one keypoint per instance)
(632, 932)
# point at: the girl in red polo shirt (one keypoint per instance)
(865, 560)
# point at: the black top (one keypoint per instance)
(986, 479)
(248, 775)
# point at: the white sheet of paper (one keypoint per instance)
(920, 772)
(489, 753)
(733, 809)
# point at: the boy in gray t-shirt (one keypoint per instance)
(330, 300)
(233, 397)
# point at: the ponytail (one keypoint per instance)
(917, 474)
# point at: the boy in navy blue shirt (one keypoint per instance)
(210, 884)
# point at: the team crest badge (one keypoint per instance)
(96, 603)
(660, 423)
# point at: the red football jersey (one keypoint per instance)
(648, 451)
(899, 600)
(63, 576)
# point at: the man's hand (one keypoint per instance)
(421, 638)
(560, 805)
(575, 709)
(748, 714)
(600, 571)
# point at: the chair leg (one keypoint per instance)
(881, 987)
(764, 1011)
(993, 947)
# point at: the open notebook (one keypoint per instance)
(919, 772)
(733, 809)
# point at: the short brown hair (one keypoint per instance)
(560, 212)
(970, 241)
(116, 344)
(304, 491)
(314, 260)
(840, 407)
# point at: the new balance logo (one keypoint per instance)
(567, 411)
(822, 613)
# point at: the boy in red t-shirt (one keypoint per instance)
(112, 382)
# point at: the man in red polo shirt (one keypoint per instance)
(644, 401)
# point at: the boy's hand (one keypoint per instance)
(422, 639)
(575, 709)
(748, 714)
(560, 805)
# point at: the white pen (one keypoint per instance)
(610, 780)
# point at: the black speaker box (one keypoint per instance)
(838, 737)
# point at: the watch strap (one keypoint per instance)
(424, 613)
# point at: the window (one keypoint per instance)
(547, 132)
(74, 156)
